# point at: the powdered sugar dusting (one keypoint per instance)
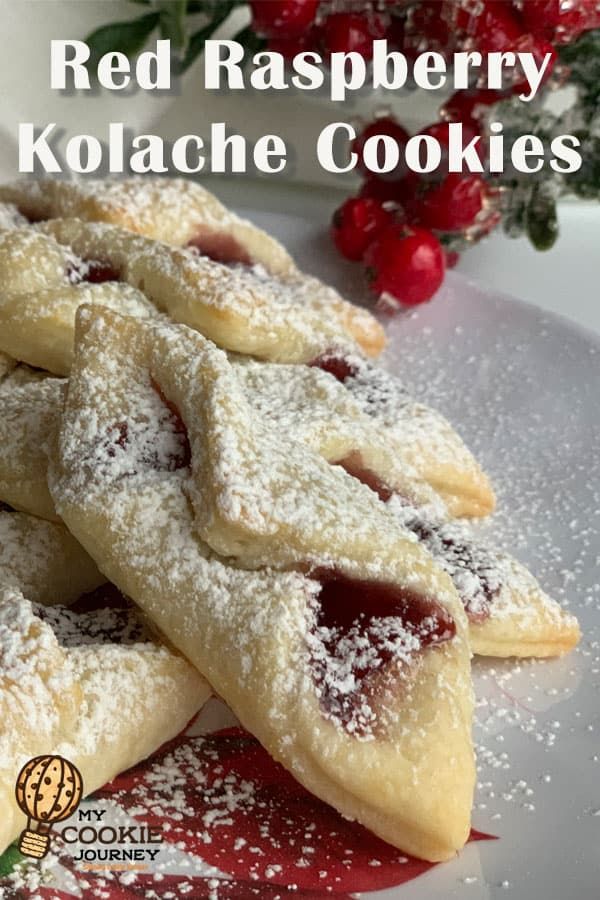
(10, 217)
(352, 665)
(245, 628)
(244, 309)
(106, 625)
(169, 209)
(386, 399)
(363, 410)
(29, 415)
(33, 677)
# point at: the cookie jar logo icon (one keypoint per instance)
(49, 790)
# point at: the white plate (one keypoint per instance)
(523, 388)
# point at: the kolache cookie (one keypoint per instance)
(366, 428)
(174, 210)
(431, 445)
(10, 218)
(367, 702)
(335, 392)
(87, 682)
(283, 514)
(42, 284)
(37, 310)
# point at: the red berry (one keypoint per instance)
(384, 191)
(539, 48)
(492, 24)
(453, 204)
(541, 17)
(356, 224)
(338, 366)
(289, 47)
(452, 258)
(428, 29)
(469, 106)
(396, 33)
(385, 125)
(560, 21)
(346, 32)
(409, 191)
(282, 18)
(407, 263)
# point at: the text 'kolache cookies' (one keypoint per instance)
(288, 527)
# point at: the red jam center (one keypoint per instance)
(337, 366)
(103, 597)
(354, 466)
(92, 271)
(220, 247)
(163, 447)
(183, 458)
(345, 602)
(364, 633)
(102, 616)
(455, 556)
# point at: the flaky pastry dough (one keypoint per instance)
(49, 270)
(174, 210)
(393, 749)
(43, 560)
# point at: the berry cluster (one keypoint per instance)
(414, 25)
(292, 26)
(405, 226)
(407, 229)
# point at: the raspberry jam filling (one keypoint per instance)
(107, 596)
(92, 271)
(364, 634)
(162, 445)
(470, 565)
(353, 465)
(220, 247)
(338, 366)
(102, 616)
(183, 458)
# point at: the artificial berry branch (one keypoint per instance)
(406, 228)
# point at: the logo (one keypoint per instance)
(49, 790)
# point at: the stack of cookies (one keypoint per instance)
(207, 484)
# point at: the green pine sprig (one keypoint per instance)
(186, 23)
